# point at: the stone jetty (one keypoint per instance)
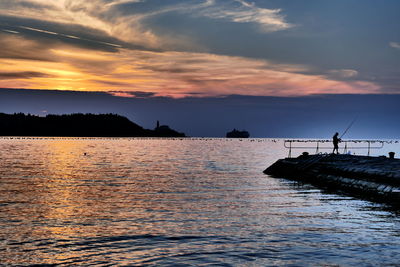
(374, 178)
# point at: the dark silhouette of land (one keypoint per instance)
(237, 134)
(79, 125)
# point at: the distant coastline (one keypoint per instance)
(78, 125)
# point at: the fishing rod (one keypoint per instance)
(351, 124)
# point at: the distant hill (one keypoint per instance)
(90, 125)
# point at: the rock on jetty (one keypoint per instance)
(375, 178)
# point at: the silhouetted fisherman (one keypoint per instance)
(336, 141)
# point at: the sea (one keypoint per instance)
(178, 202)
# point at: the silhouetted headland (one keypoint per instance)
(375, 178)
(237, 134)
(165, 131)
(80, 125)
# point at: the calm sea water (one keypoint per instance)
(177, 202)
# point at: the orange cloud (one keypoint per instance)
(174, 74)
(54, 62)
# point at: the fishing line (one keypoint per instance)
(351, 124)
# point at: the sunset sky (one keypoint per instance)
(204, 49)
(201, 48)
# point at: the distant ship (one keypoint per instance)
(237, 134)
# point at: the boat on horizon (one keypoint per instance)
(237, 134)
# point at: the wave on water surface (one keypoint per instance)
(127, 201)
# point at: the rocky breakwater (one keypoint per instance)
(375, 178)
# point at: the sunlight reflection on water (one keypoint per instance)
(176, 201)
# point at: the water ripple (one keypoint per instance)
(174, 202)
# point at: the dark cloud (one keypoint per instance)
(85, 37)
(53, 33)
(114, 83)
(26, 4)
(194, 61)
(13, 46)
(21, 75)
(137, 94)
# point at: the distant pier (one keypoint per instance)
(375, 178)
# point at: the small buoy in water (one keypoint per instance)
(85, 154)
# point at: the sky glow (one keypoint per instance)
(200, 48)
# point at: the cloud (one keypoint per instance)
(394, 45)
(135, 94)
(111, 46)
(239, 11)
(14, 46)
(26, 5)
(165, 73)
(69, 36)
(21, 75)
(10, 31)
(343, 73)
(169, 73)
(129, 21)
(56, 33)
